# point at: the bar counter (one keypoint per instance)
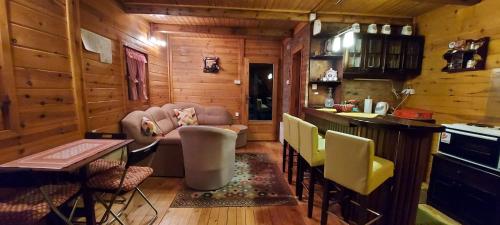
(405, 142)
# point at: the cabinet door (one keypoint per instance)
(413, 54)
(354, 55)
(374, 53)
(478, 207)
(393, 55)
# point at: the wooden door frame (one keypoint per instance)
(245, 83)
(295, 98)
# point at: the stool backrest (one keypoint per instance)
(308, 141)
(286, 126)
(348, 160)
(294, 133)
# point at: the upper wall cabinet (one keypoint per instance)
(377, 56)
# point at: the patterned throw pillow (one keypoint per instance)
(186, 117)
(149, 127)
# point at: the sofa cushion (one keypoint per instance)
(171, 138)
(236, 128)
(165, 123)
(214, 115)
(149, 127)
(131, 126)
(186, 117)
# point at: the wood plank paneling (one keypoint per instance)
(48, 92)
(461, 97)
(105, 84)
(191, 84)
(43, 79)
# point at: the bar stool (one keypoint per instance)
(350, 162)
(312, 155)
(293, 144)
(286, 137)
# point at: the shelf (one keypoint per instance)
(325, 82)
(326, 57)
(461, 70)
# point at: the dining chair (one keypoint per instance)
(294, 145)
(286, 137)
(312, 156)
(351, 164)
(27, 198)
(122, 179)
(101, 165)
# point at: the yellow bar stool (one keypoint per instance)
(293, 144)
(350, 162)
(312, 155)
(286, 137)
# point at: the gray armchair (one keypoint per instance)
(209, 156)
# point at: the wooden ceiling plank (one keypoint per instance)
(217, 30)
(264, 15)
(451, 2)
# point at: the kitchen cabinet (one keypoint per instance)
(383, 56)
(465, 192)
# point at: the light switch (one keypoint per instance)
(287, 82)
(496, 71)
(237, 81)
(236, 114)
(314, 86)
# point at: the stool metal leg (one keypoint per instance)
(299, 188)
(326, 202)
(285, 143)
(290, 164)
(310, 200)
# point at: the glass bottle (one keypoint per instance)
(329, 99)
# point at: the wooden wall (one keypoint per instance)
(467, 96)
(106, 94)
(53, 105)
(191, 84)
(300, 41)
(43, 78)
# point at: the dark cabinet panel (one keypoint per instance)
(384, 56)
(465, 192)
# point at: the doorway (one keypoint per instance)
(294, 106)
(261, 94)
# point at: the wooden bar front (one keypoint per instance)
(405, 142)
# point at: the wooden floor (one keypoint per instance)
(161, 191)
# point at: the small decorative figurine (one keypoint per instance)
(330, 75)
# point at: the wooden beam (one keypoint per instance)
(451, 2)
(75, 52)
(361, 18)
(260, 14)
(175, 10)
(230, 31)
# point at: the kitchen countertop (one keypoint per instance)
(387, 121)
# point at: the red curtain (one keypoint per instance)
(136, 64)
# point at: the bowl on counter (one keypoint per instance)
(343, 107)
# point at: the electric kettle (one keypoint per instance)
(381, 108)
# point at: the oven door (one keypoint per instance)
(478, 148)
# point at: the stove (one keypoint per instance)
(478, 144)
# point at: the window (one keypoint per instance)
(136, 75)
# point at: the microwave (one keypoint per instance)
(473, 144)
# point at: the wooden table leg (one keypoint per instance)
(88, 200)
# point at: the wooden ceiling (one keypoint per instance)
(277, 14)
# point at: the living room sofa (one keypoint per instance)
(168, 160)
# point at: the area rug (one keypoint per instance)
(257, 182)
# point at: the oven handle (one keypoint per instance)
(472, 135)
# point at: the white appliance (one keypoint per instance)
(381, 108)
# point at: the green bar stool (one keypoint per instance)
(293, 144)
(312, 155)
(350, 162)
(286, 137)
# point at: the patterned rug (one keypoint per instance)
(257, 182)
